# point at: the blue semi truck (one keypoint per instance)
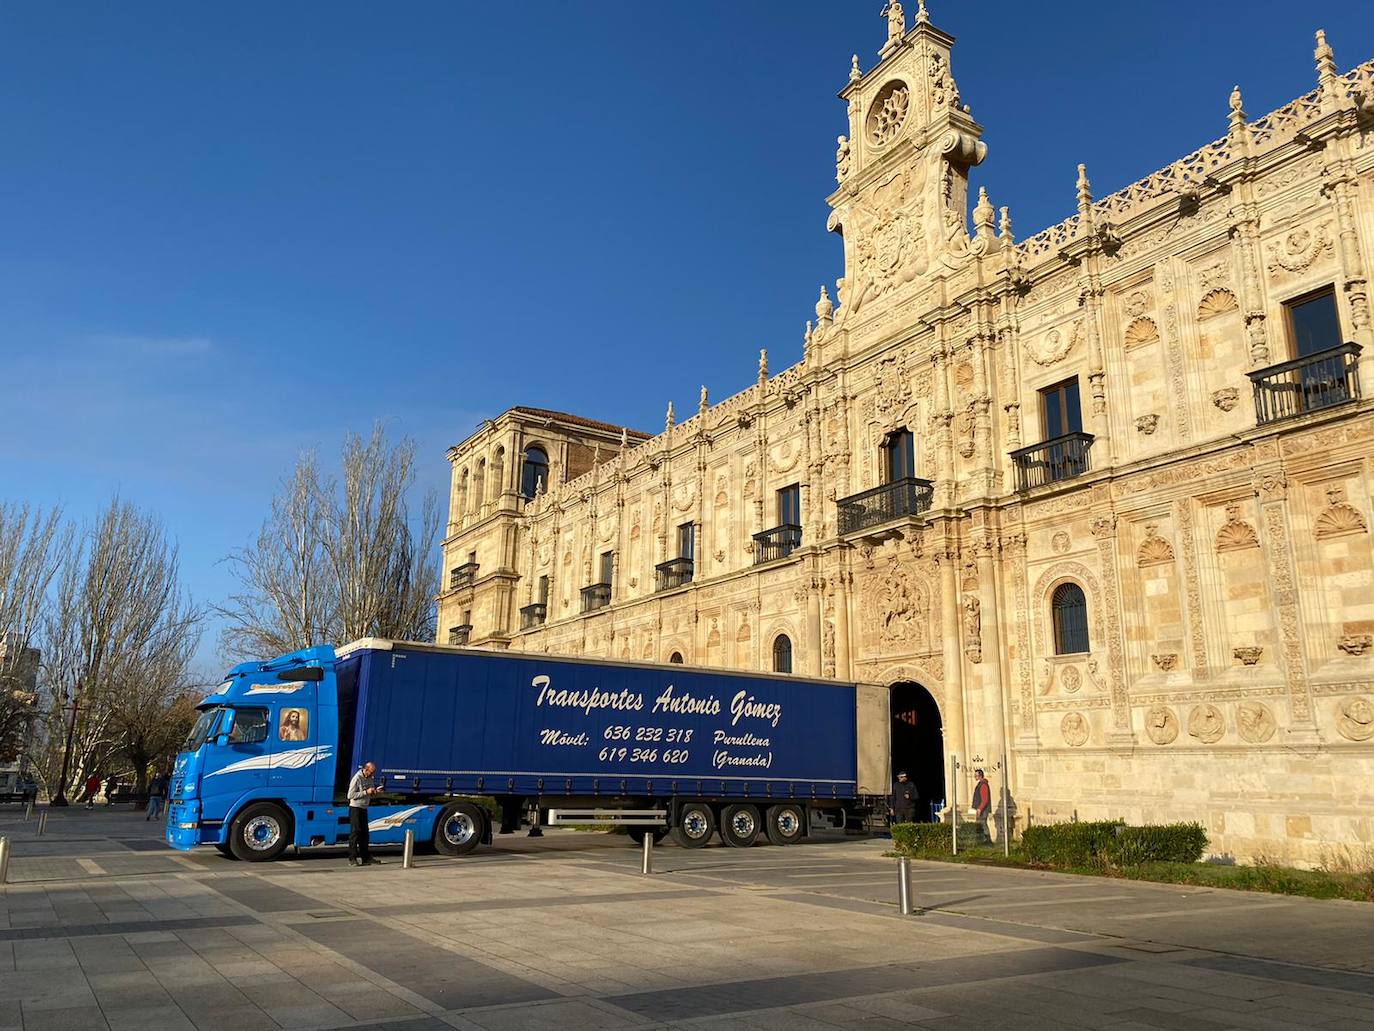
(660, 749)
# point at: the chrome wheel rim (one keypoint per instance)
(459, 829)
(695, 825)
(787, 823)
(743, 824)
(261, 833)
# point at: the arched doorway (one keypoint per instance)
(918, 744)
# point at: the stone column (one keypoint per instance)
(956, 738)
(990, 613)
(843, 580)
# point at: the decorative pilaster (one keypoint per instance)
(1104, 530)
(1271, 487)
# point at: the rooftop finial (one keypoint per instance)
(763, 366)
(824, 308)
(1326, 70)
(1005, 228)
(624, 438)
(922, 15)
(1239, 128)
(854, 73)
(1085, 192)
(668, 423)
(983, 215)
(704, 403)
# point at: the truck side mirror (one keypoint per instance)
(221, 740)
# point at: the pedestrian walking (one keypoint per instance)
(901, 804)
(157, 791)
(360, 791)
(111, 786)
(982, 803)
(92, 789)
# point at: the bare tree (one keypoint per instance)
(284, 602)
(118, 640)
(338, 560)
(31, 542)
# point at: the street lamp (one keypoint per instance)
(60, 799)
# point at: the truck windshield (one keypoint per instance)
(202, 729)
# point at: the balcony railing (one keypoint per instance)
(1052, 461)
(462, 576)
(674, 573)
(1307, 384)
(534, 615)
(900, 499)
(776, 543)
(459, 634)
(597, 596)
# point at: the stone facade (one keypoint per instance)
(1112, 405)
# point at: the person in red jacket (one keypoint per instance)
(982, 803)
(92, 789)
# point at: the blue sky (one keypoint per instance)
(230, 232)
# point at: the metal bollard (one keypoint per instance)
(4, 860)
(904, 885)
(42, 822)
(408, 856)
(647, 866)
(28, 812)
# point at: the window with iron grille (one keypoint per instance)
(782, 654)
(1069, 612)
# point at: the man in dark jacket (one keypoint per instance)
(982, 803)
(901, 804)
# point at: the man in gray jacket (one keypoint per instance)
(360, 790)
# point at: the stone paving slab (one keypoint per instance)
(105, 930)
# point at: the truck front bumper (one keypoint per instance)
(183, 823)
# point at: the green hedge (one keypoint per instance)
(921, 839)
(1070, 844)
(1167, 843)
(1109, 843)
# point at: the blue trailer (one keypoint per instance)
(659, 748)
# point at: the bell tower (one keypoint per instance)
(903, 169)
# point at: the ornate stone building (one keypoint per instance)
(1099, 500)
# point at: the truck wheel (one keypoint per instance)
(784, 824)
(223, 849)
(739, 825)
(638, 834)
(695, 825)
(459, 829)
(260, 833)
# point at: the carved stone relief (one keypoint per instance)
(1070, 679)
(1074, 728)
(1060, 543)
(1215, 303)
(1154, 550)
(1355, 718)
(1226, 398)
(1299, 250)
(1254, 722)
(1055, 345)
(1236, 534)
(1161, 725)
(1248, 656)
(1339, 517)
(1147, 424)
(1207, 724)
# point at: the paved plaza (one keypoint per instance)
(103, 927)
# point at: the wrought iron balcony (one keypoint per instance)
(596, 596)
(674, 573)
(459, 634)
(900, 499)
(462, 576)
(534, 615)
(1309, 384)
(776, 543)
(1052, 461)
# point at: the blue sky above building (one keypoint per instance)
(231, 233)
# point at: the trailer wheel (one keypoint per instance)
(784, 824)
(739, 825)
(695, 825)
(459, 829)
(638, 834)
(260, 833)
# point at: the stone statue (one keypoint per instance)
(896, 21)
(842, 161)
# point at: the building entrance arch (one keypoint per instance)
(918, 744)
